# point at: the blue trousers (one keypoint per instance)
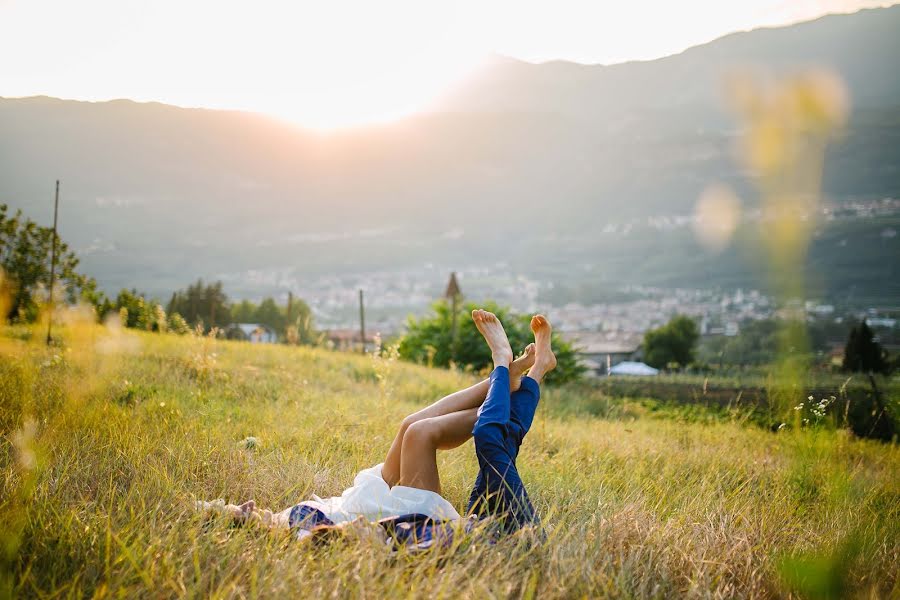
(503, 420)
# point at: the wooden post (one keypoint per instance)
(53, 263)
(453, 293)
(212, 312)
(362, 323)
(453, 324)
(287, 317)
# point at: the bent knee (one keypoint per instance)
(406, 422)
(409, 420)
(422, 431)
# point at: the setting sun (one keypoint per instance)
(328, 65)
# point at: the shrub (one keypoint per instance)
(673, 343)
(429, 340)
(178, 325)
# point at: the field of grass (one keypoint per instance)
(107, 439)
(762, 400)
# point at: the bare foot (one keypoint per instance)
(518, 367)
(544, 359)
(492, 330)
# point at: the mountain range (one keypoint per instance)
(522, 164)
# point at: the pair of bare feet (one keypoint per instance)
(538, 359)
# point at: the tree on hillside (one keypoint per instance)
(756, 344)
(243, 312)
(297, 327)
(134, 305)
(301, 328)
(673, 343)
(199, 303)
(429, 340)
(863, 354)
(25, 252)
(269, 314)
(140, 312)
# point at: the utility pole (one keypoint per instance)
(453, 293)
(362, 322)
(287, 317)
(53, 262)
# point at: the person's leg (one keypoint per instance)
(422, 440)
(523, 403)
(418, 464)
(466, 399)
(463, 400)
(544, 359)
(502, 424)
(522, 406)
(502, 492)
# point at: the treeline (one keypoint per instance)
(760, 343)
(205, 307)
(678, 346)
(26, 252)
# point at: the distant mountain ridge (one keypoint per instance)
(156, 195)
(856, 46)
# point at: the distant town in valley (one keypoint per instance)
(605, 333)
(607, 325)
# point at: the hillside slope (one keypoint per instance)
(132, 428)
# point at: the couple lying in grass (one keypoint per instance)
(402, 495)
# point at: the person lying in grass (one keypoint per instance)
(403, 494)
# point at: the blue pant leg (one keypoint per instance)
(492, 423)
(504, 493)
(494, 412)
(477, 495)
(523, 404)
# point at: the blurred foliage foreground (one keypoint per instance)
(109, 436)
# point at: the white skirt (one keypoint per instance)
(372, 498)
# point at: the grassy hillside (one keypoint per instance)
(108, 439)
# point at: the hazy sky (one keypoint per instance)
(329, 63)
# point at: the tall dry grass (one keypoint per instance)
(108, 437)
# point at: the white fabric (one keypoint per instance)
(371, 498)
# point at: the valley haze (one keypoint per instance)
(155, 196)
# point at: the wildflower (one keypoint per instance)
(249, 442)
(22, 441)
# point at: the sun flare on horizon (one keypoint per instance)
(343, 63)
